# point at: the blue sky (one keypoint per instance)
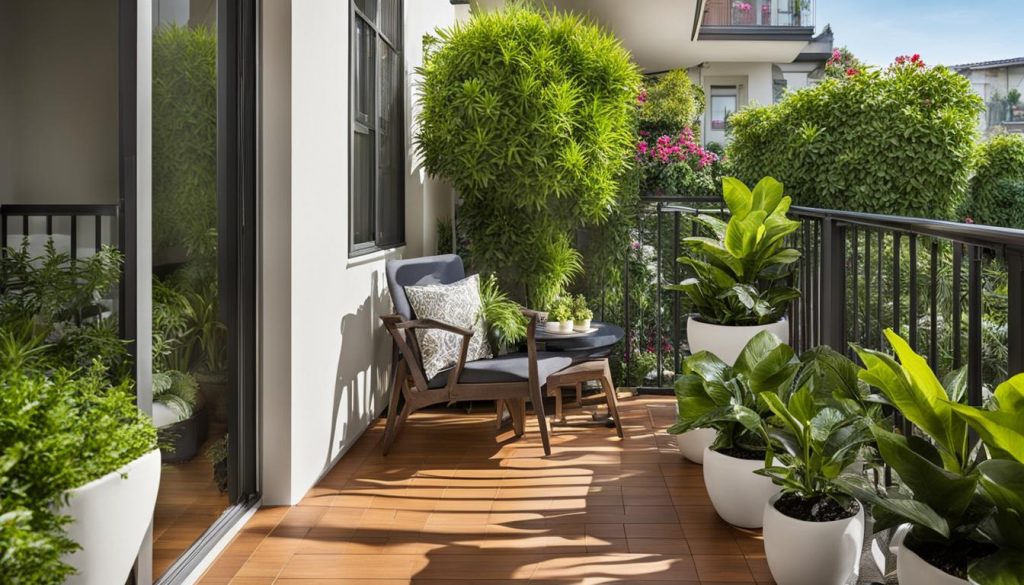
(944, 32)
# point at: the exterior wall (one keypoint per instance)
(753, 80)
(992, 83)
(324, 356)
(58, 101)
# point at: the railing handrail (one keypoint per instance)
(61, 209)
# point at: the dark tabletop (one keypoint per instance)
(606, 336)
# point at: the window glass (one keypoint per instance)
(723, 105)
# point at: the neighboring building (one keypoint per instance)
(1000, 83)
(740, 52)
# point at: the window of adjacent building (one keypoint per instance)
(724, 101)
(377, 161)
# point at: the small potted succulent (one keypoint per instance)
(581, 313)
(739, 287)
(560, 316)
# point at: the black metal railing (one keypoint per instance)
(94, 225)
(954, 291)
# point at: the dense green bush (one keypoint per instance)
(996, 195)
(58, 432)
(185, 139)
(897, 141)
(530, 116)
(670, 103)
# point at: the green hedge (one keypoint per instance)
(670, 103)
(996, 195)
(896, 141)
(530, 115)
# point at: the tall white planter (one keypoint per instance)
(727, 341)
(913, 570)
(812, 553)
(110, 518)
(692, 444)
(737, 493)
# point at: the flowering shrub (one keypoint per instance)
(676, 166)
(843, 64)
(898, 140)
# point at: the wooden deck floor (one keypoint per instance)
(457, 503)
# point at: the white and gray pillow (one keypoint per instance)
(456, 304)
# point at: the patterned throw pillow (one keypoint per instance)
(456, 304)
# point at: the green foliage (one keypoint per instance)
(66, 302)
(580, 310)
(898, 141)
(58, 432)
(738, 270)
(530, 116)
(177, 391)
(506, 324)
(996, 195)
(185, 139)
(999, 427)
(560, 310)
(174, 336)
(670, 103)
(712, 394)
(843, 61)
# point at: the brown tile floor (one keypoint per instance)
(455, 503)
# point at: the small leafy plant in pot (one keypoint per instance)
(560, 316)
(714, 394)
(936, 499)
(738, 289)
(813, 531)
(581, 314)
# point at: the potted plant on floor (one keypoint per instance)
(79, 475)
(738, 289)
(936, 499)
(813, 531)
(181, 420)
(581, 314)
(713, 394)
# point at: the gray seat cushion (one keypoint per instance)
(513, 367)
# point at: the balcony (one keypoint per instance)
(757, 19)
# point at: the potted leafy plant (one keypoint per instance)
(506, 325)
(714, 394)
(182, 423)
(560, 316)
(813, 531)
(739, 285)
(936, 497)
(581, 313)
(79, 474)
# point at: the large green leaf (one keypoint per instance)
(1001, 431)
(1002, 568)
(1010, 394)
(757, 349)
(1003, 481)
(946, 492)
(742, 235)
(706, 365)
(737, 197)
(767, 194)
(894, 509)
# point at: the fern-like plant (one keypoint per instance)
(506, 325)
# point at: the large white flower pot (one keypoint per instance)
(692, 444)
(737, 493)
(727, 341)
(110, 518)
(913, 570)
(812, 553)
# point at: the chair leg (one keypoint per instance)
(499, 407)
(579, 393)
(542, 420)
(558, 405)
(517, 408)
(613, 401)
(397, 388)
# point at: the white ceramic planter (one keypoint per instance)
(552, 326)
(692, 444)
(583, 325)
(812, 553)
(726, 341)
(565, 327)
(110, 518)
(737, 493)
(913, 570)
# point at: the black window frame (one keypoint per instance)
(395, 214)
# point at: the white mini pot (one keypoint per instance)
(737, 493)
(913, 570)
(812, 553)
(565, 327)
(692, 444)
(110, 517)
(552, 326)
(582, 325)
(727, 341)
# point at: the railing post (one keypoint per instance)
(833, 284)
(1015, 311)
(974, 315)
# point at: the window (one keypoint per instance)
(377, 157)
(723, 104)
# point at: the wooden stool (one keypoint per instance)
(589, 371)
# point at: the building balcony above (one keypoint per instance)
(757, 20)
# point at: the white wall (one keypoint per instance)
(324, 355)
(58, 102)
(754, 81)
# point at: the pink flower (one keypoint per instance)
(850, 72)
(635, 245)
(968, 219)
(641, 98)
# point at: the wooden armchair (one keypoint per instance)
(512, 378)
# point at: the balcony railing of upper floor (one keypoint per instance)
(757, 14)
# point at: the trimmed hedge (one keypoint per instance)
(669, 104)
(897, 141)
(996, 195)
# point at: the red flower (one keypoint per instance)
(915, 58)
(968, 219)
(851, 72)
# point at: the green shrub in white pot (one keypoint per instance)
(79, 473)
(713, 394)
(739, 287)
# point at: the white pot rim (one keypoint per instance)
(778, 496)
(699, 319)
(124, 469)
